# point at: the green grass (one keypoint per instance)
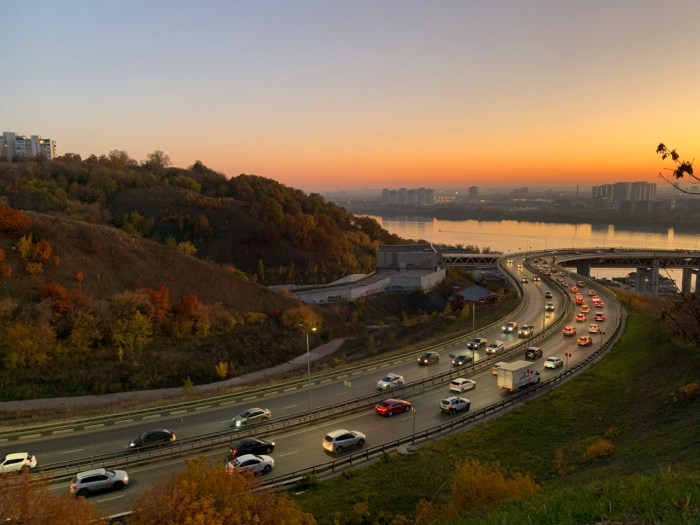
(629, 390)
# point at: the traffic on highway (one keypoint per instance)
(399, 415)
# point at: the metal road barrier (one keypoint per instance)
(246, 395)
(471, 417)
(187, 446)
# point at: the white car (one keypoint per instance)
(550, 307)
(18, 461)
(454, 404)
(460, 384)
(390, 381)
(510, 261)
(252, 462)
(536, 278)
(593, 329)
(525, 280)
(553, 362)
(495, 348)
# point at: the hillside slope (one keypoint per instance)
(233, 236)
(113, 261)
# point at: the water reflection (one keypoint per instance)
(513, 236)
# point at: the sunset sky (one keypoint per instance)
(327, 95)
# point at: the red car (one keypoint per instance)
(573, 289)
(579, 300)
(584, 309)
(554, 270)
(585, 341)
(569, 331)
(392, 406)
(599, 316)
(548, 274)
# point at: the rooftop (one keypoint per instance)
(407, 248)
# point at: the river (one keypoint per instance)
(513, 236)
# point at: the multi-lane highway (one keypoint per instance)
(301, 447)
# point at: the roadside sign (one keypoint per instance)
(414, 411)
(347, 383)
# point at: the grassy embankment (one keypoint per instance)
(631, 398)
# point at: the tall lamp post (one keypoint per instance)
(308, 361)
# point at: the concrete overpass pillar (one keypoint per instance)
(697, 282)
(583, 268)
(643, 276)
(686, 282)
(655, 265)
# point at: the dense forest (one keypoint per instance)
(119, 275)
(282, 235)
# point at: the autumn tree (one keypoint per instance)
(159, 305)
(207, 493)
(132, 335)
(42, 251)
(58, 295)
(25, 498)
(13, 222)
(23, 344)
(192, 318)
(302, 315)
(186, 248)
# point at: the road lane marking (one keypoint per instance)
(290, 406)
(341, 394)
(72, 451)
(109, 499)
(405, 418)
(485, 389)
(289, 453)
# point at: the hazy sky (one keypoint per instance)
(340, 94)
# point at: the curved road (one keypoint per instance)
(300, 448)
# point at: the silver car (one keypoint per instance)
(252, 416)
(339, 440)
(390, 381)
(98, 480)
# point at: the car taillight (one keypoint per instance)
(73, 487)
(234, 451)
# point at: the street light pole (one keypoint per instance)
(308, 362)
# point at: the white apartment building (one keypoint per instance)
(12, 144)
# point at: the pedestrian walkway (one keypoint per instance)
(106, 399)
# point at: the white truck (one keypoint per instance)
(518, 374)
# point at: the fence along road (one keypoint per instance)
(297, 453)
(93, 423)
(408, 390)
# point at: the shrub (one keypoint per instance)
(13, 222)
(612, 432)
(79, 278)
(222, 369)
(55, 261)
(59, 298)
(6, 271)
(26, 247)
(253, 318)
(307, 481)
(42, 251)
(34, 268)
(187, 248)
(2, 255)
(600, 449)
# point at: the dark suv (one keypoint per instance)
(533, 352)
(252, 446)
(462, 360)
(152, 437)
(429, 358)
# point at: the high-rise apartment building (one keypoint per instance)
(393, 197)
(13, 144)
(602, 193)
(411, 198)
(643, 191)
(385, 196)
(521, 193)
(621, 191)
(421, 196)
(473, 192)
(402, 196)
(429, 196)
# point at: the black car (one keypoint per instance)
(533, 352)
(153, 437)
(462, 360)
(429, 358)
(252, 446)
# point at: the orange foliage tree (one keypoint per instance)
(34, 268)
(58, 295)
(27, 500)
(42, 251)
(192, 317)
(79, 278)
(209, 493)
(159, 301)
(13, 222)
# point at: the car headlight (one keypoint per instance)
(132, 444)
(238, 423)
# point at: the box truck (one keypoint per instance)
(517, 375)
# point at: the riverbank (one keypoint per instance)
(447, 212)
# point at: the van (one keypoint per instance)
(497, 366)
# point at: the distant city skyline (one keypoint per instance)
(327, 95)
